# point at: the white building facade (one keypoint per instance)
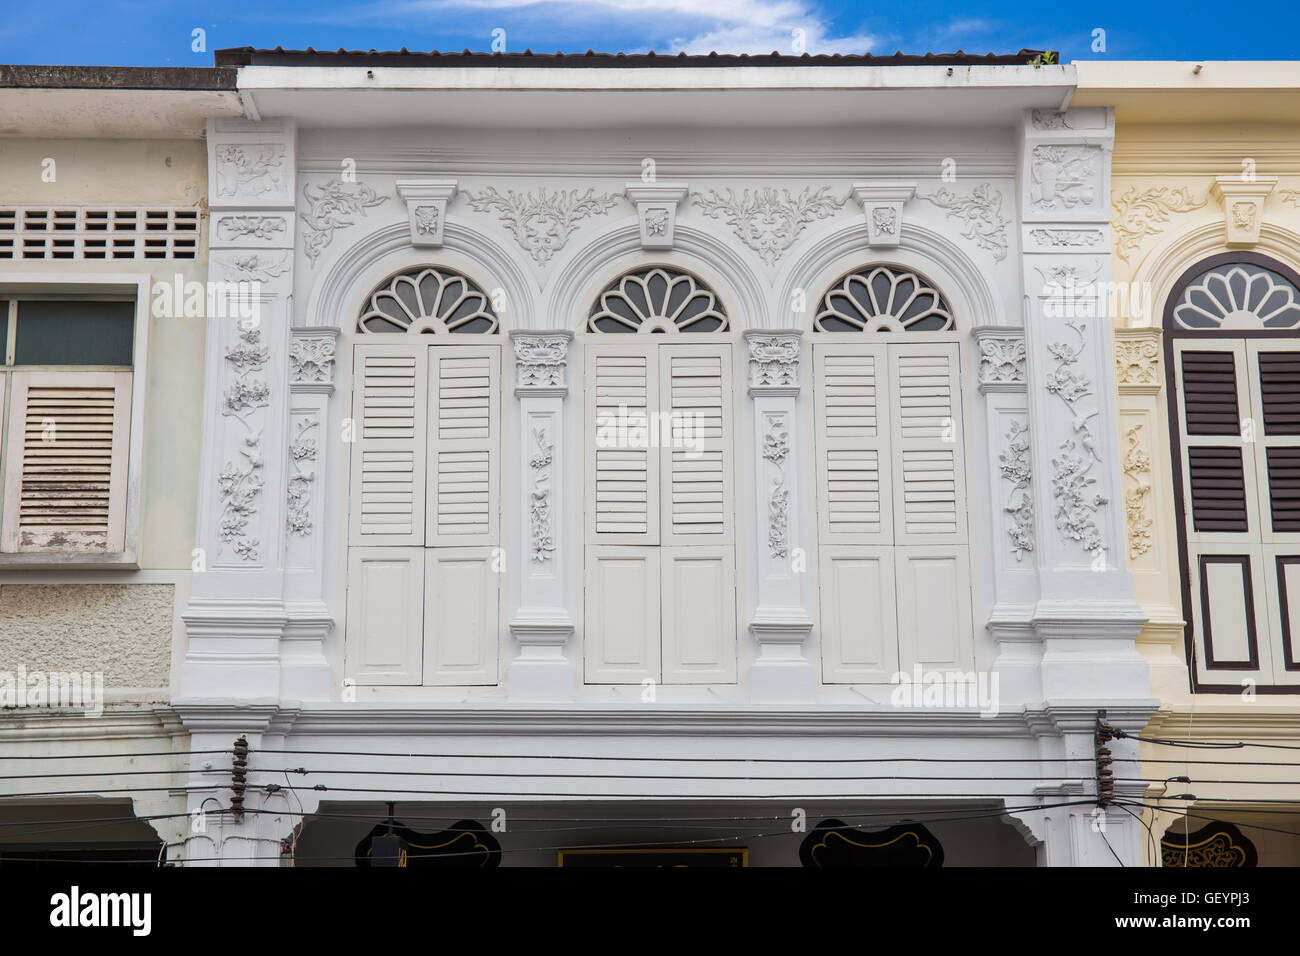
(693, 452)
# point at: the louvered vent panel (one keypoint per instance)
(1210, 393)
(928, 432)
(84, 232)
(850, 396)
(1218, 490)
(853, 490)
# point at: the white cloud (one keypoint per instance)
(689, 26)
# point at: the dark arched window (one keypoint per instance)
(1233, 361)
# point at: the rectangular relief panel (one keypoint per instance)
(859, 637)
(699, 615)
(385, 615)
(621, 615)
(1229, 618)
(461, 618)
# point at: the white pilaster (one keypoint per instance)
(543, 625)
(783, 670)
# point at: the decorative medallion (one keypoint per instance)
(766, 221)
(542, 223)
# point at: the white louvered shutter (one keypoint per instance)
(926, 444)
(622, 481)
(696, 489)
(931, 556)
(66, 464)
(389, 402)
(464, 443)
(853, 466)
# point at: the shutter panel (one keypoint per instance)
(853, 490)
(66, 465)
(1275, 397)
(696, 444)
(464, 445)
(389, 399)
(385, 615)
(1226, 565)
(926, 446)
(622, 480)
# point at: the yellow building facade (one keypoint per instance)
(1205, 198)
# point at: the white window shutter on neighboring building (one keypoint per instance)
(66, 462)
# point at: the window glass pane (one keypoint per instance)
(4, 330)
(74, 333)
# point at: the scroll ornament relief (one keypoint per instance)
(1142, 213)
(301, 450)
(542, 222)
(1066, 238)
(249, 170)
(1137, 463)
(331, 207)
(776, 447)
(981, 214)
(767, 221)
(255, 227)
(1015, 468)
(1076, 504)
(539, 507)
(240, 483)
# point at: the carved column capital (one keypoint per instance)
(1001, 358)
(773, 362)
(311, 359)
(1137, 361)
(541, 362)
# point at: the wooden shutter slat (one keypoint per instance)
(926, 443)
(696, 383)
(851, 436)
(622, 482)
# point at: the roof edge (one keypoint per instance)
(177, 78)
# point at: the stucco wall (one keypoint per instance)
(133, 173)
(121, 630)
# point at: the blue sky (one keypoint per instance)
(156, 33)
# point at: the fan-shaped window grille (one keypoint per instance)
(883, 300)
(428, 301)
(1239, 296)
(657, 300)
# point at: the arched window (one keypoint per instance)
(893, 551)
(657, 300)
(1234, 403)
(423, 597)
(660, 553)
(883, 299)
(428, 301)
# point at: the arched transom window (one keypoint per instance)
(657, 300)
(1238, 296)
(430, 301)
(883, 299)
